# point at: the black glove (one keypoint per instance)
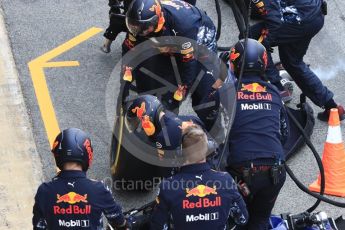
(128, 225)
(115, 9)
(270, 49)
(224, 56)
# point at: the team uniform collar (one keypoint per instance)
(72, 174)
(195, 168)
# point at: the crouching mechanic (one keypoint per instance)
(260, 128)
(71, 200)
(147, 20)
(197, 197)
(162, 128)
(117, 23)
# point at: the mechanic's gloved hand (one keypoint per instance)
(127, 226)
(268, 46)
(115, 9)
(270, 50)
(224, 56)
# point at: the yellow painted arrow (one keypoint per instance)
(36, 68)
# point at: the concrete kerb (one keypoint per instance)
(20, 164)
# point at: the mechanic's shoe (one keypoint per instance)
(282, 72)
(324, 116)
(105, 49)
(286, 96)
(106, 46)
(287, 85)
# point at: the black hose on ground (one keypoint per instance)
(306, 190)
(317, 157)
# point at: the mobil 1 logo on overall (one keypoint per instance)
(256, 106)
(74, 223)
(202, 217)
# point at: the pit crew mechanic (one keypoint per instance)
(291, 25)
(71, 200)
(117, 24)
(257, 135)
(162, 128)
(149, 19)
(197, 197)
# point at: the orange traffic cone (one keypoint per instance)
(333, 159)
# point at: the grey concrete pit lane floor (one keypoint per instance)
(38, 26)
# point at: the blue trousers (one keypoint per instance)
(293, 41)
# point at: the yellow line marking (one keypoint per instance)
(36, 68)
(61, 64)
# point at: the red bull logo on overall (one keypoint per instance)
(254, 88)
(72, 198)
(233, 56)
(202, 203)
(258, 92)
(254, 96)
(201, 191)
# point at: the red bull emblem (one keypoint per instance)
(234, 55)
(128, 74)
(201, 191)
(158, 10)
(254, 88)
(87, 145)
(56, 143)
(146, 124)
(202, 203)
(263, 36)
(180, 93)
(264, 57)
(71, 198)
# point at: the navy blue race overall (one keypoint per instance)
(71, 201)
(198, 198)
(290, 25)
(168, 139)
(117, 24)
(256, 154)
(187, 21)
